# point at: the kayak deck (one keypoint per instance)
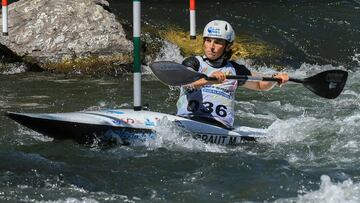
(125, 126)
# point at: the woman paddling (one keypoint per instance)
(213, 101)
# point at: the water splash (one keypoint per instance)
(170, 52)
(294, 129)
(356, 58)
(15, 68)
(173, 137)
(25, 136)
(329, 192)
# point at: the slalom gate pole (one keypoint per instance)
(192, 20)
(4, 4)
(137, 50)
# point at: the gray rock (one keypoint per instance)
(51, 31)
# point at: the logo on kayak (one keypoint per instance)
(149, 123)
(117, 122)
(217, 139)
(124, 121)
(115, 112)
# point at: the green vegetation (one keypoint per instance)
(243, 47)
(93, 65)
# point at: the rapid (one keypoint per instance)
(311, 153)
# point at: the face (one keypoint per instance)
(214, 48)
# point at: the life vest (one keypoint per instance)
(214, 101)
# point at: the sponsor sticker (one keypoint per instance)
(218, 139)
(213, 30)
(115, 111)
(149, 123)
(117, 122)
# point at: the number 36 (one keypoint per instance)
(207, 107)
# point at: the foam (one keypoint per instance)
(15, 68)
(168, 52)
(332, 192)
(356, 58)
(173, 137)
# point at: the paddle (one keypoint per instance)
(327, 84)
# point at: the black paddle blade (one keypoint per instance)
(174, 74)
(328, 84)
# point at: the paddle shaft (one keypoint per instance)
(252, 78)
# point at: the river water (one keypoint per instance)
(311, 155)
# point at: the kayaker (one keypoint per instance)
(213, 101)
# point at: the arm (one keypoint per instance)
(193, 63)
(221, 77)
(266, 85)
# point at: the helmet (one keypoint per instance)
(219, 29)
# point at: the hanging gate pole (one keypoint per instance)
(4, 4)
(192, 20)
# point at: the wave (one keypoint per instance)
(329, 192)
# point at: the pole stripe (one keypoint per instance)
(137, 52)
(193, 23)
(136, 18)
(4, 4)
(192, 4)
(137, 91)
(192, 20)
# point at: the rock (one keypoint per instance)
(103, 4)
(52, 31)
(8, 56)
(10, 61)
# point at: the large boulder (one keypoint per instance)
(53, 31)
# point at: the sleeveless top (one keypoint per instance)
(214, 101)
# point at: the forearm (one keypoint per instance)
(220, 77)
(266, 85)
(259, 85)
(199, 83)
(282, 78)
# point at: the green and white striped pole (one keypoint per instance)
(137, 59)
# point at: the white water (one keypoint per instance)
(356, 58)
(311, 132)
(292, 121)
(173, 137)
(308, 133)
(169, 52)
(14, 68)
(329, 192)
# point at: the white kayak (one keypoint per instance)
(127, 125)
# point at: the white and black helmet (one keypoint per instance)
(219, 29)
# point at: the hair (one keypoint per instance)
(228, 54)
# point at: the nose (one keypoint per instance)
(212, 44)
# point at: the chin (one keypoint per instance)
(211, 57)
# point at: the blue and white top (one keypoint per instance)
(214, 101)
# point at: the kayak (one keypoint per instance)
(127, 126)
